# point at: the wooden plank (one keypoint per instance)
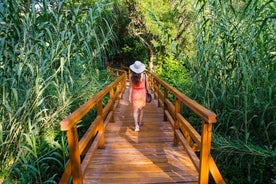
(134, 181)
(139, 179)
(156, 176)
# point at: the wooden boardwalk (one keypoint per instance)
(147, 156)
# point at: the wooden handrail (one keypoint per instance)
(184, 132)
(94, 136)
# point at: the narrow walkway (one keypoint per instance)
(147, 156)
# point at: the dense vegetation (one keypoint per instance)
(52, 59)
(222, 54)
(237, 80)
(51, 55)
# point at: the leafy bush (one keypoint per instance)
(174, 73)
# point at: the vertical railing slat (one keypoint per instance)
(73, 146)
(205, 152)
(101, 124)
(165, 105)
(176, 124)
(159, 89)
(111, 97)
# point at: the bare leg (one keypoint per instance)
(135, 116)
(141, 114)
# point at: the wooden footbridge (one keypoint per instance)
(166, 150)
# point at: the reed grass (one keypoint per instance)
(238, 60)
(231, 65)
(45, 56)
(233, 75)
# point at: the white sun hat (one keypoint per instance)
(137, 67)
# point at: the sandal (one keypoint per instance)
(137, 129)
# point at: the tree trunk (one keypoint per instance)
(150, 62)
(150, 53)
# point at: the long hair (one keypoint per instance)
(135, 78)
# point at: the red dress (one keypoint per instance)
(139, 95)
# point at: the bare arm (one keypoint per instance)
(147, 82)
(130, 89)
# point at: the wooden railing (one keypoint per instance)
(184, 131)
(94, 136)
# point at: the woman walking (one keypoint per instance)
(137, 96)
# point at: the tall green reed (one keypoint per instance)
(234, 57)
(234, 75)
(43, 55)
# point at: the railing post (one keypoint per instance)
(158, 98)
(205, 152)
(154, 88)
(125, 80)
(150, 80)
(101, 124)
(176, 123)
(165, 105)
(111, 97)
(118, 91)
(74, 152)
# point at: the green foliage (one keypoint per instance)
(236, 68)
(174, 72)
(248, 163)
(228, 48)
(36, 160)
(171, 24)
(50, 61)
(234, 74)
(132, 50)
